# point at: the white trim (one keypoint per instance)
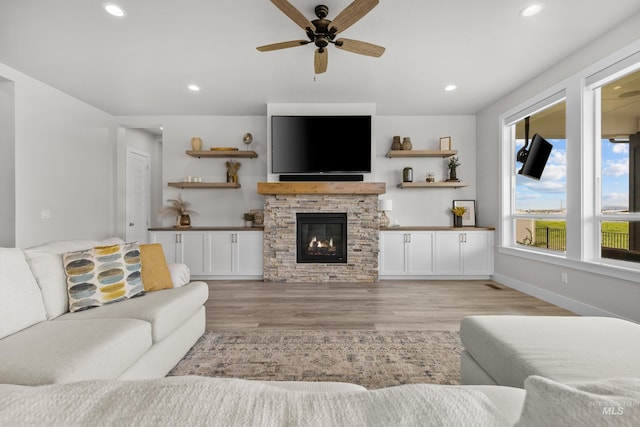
(607, 269)
(553, 298)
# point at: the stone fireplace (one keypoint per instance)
(286, 202)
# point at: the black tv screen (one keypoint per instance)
(320, 144)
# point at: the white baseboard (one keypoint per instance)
(570, 304)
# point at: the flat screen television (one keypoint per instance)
(320, 144)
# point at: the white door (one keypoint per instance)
(478, 253)
(420, 253)
(448, 259)
(392, 259)
(249, 252)
(138, 178)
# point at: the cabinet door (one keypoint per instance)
(194, 252)
(420, 253)
(249, 253)
(448, 257)
(170, 242)
(392, 260)
(221, 244)
(478, 252)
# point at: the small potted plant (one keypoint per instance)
(248, 219)
(458, 211)
(431, 177)
(180, 209)
(453, 164)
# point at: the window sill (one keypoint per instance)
(623, 272)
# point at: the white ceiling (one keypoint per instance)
(142, 64)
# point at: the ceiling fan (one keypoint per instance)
(322, 31)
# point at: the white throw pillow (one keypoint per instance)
(613, 402)
(20, 299)
(180, 274)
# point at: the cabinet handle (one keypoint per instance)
(408, 237)
(234, 238)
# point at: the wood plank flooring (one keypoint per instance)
(386, 305)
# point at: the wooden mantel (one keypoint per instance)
(272, 188)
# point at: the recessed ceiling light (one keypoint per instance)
(449, 88)
(194, 88)
(114, 9)
(531, 10)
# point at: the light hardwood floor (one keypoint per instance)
(386, 305)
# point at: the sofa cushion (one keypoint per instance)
(164, 310)
(613, 402)
(155, 272)
(180, 274)
(103, 275)
(46, 264)
(21, 302)
(562, 348)
(64, 351)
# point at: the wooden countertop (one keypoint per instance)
(208, 228)
(432, 228)
(261, 228)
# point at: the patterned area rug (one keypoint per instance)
(373, 359)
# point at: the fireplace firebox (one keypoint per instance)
(321, 237)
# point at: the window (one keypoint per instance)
(584, 212)
(619, 171)
(539, 206)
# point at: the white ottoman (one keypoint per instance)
(505, 350)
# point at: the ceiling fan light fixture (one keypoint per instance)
(114, 9)
(532, 9)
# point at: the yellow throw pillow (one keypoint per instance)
(155, 272)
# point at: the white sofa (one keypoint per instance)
(41, 342)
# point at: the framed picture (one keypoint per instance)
(445, 143)
(469, 217)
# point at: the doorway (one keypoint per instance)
(138, 194)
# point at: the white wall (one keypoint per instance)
(225, 206)
(64, 164)
(426, 206)
(586, 293)
(7, 165)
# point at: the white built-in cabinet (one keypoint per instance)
(405, 253)
(464, 253)
(214, 254)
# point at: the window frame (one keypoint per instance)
(583, 198)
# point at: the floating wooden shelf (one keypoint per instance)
(223, 153)
(204, 184)
(441, 184)
(321, 188)
(421, 153)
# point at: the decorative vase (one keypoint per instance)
(396, 145)
(406, 143)
(407, 174)
(196, 143)
(453, 176)
(248, 223)
(457, 221)
(184, 221)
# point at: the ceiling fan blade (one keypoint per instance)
(320, 60)
(363, 48)
(351, 14)
(294, 14)
(282, 45)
